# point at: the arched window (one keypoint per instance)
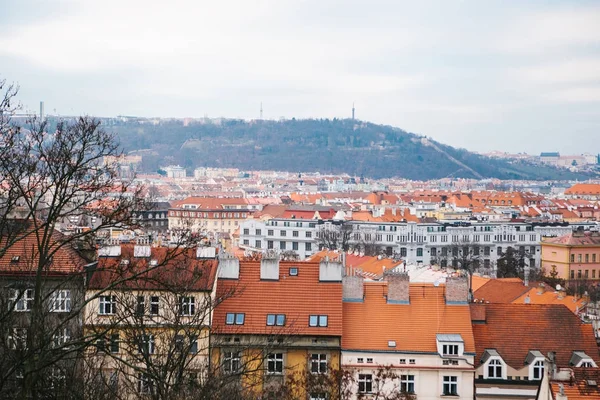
(538, 370)
(495, 369)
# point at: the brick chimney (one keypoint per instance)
(457, 290)
(353, 288)
(398, 287)
(229, 266)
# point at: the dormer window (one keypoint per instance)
(495, 369)
(538, 370)
(580, 359)
(450, 345)
(494, 366)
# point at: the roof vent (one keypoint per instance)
(391, 343)
(591, 382)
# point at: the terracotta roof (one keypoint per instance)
(579, 388)
(210, 203)
(477, 282)
(370, 324)
(22, 257)
(584, 188)
(549, 296)
(515, 329)
(178, 267)
(297, 297)
(501, 290)
(576, 239)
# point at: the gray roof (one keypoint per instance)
(532, 355)
(449, 337)
(550, 154)
(488, 353)
(577, 357)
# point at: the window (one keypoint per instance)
(319, 396)
(108, 305)
(18, 339)
(147, 344)
(275, 363)
(403, 252)
(365, 383)
(495, 369)
(318, 363)
(270, 232)
(140, 308)
(145, 384)
(308, 246)
(60, 301)
(593, 258)
(538, 370)
(360, 360)
(269, 244)
(239, 319)
(258, 244)
(154, 305)
(276, 319)
(369, 361)
(295, 233)
(579, 274)
(114, 343)
(450, 350)
(419, 252)
(294, 245)
(450, 386)
(61, 337)
(193, 344)
(187, 305)
(246, 231)
(231, 362)
(293, 271)
(407, 383)
(317, 320)
(22, 299)
(308, 234)
(572, 274)
(258, 232)
(572, 257)
(282, 233)
(282, 245)
(234, 318)
(402, 361)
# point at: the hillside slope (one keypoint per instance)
(328, 146)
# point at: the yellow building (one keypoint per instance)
(575, 256)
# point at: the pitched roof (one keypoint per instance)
(576, 239)
(175, 267)
(549, 296)
(22, 257)
(515, 329)
(210, 203)
(584, 188)
(501, 290)
(370, 324)
(297, 297)
(579, 388)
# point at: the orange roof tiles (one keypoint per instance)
(297, 297)
(579, 388)
(210, 203)
(515, 329)
(370, 324)
(178, 267)
(501, 290)
(584, 188)
(551, 297)
(22, 257)
(576, 239)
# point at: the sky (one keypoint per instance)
(509, 75)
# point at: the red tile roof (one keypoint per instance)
(515, 329)
(576, 239)
(22, 257)
(501, 290)
(178, 267)
(579, 388)
(583, 189)
(297, 297)
(370, 324)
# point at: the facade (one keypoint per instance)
(40, 315)
(523, 346)
(421, 331)
(209, 214)
(155, 219)
(149, 309)
(574, 256)
(588, 191)
(175, 171)
(416, 243)
(281, 321)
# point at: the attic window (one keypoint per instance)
(124, 262)
(153, 263)
(391, 343)
(15, 259)
(294, 271)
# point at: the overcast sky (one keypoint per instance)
(485, 75)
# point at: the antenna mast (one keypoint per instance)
(261, 111)
(352, 110)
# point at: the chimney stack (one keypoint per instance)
(330, 270)
(229, 266)
(398, 287)
(457, 290)
(353, 288)
(269, 268)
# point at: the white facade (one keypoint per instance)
(281, 235)
(175, 171)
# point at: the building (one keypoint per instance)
(150, 311)
(209, 214)
(155, 218)
(175, 171)
(518, 345)
(280, 320)
(574, 256)
(41, 294)
(588, 191)
(421, 331)
(550, 158)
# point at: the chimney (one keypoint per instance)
(457, 290)
(330, 270)
(229, 266)
(561, 392)
(398, 287)
(353, 288)
(269, 268)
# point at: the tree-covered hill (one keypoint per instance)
(328, 146)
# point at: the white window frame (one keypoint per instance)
(147, 345)
(107, 305)
(366, 380)
(154, 303)
(21, 299)
(537, 366)
(450, 381)
(187, 305)
(231, 362)
(494, 363)
(61, 337)
(275, 363)
(60, 301)
(450, 350)
(318, 363)
(405, 383)
(17, 339)
(145, 384)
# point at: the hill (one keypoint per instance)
(329, 146)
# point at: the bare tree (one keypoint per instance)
(334, 237)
